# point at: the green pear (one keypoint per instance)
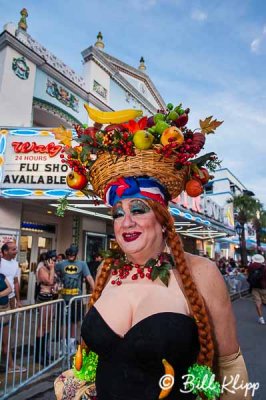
(158, 117)
(143, 140)
(161, 126)
(172, 116)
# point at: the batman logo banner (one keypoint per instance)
(71, 269)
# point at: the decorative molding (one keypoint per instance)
(51, 108)
(98, 88)
(62, 95)
(50, 58)
(136, 73)
(20, 68)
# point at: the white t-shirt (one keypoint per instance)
(11, 270)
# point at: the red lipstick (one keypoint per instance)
(131, 236)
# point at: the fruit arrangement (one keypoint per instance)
(119, 133)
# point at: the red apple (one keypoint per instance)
(76, 180)
(114, 127)
(91, 131)
(181, 120)
(203, 175)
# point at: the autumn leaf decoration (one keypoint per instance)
(208, 125)
(63, 134)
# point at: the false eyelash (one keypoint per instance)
(117, 215)
(138, 211)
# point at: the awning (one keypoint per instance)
(198, 226)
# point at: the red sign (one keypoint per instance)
(26, 147)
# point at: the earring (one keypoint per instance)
(163, 229)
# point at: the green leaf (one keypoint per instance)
(155, 273)
(151, 262)
(164, 276)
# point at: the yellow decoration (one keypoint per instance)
(44, 133)
(167, 382)
(63, 134)
(1, 160)
(78, 358)
(38, 192)
(112, 117)
(3, 131)
(80, 194)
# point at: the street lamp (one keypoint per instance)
(240, 230)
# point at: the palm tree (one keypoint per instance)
(245, 209)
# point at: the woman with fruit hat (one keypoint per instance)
(159, 318)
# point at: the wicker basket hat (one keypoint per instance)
(108, 168)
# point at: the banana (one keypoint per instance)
(166, 381)
(112, 117)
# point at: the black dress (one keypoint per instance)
(130, 367)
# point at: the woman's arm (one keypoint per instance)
(6, 291)
(45, 275)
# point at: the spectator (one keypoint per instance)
(94, 264)
(5, 290)
(232, 263)
(257, 280)
(46, 282)
(60, 257)
(10, 268)
(71, 273)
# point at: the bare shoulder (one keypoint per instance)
(207, 277)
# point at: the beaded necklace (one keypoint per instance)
(154, 268)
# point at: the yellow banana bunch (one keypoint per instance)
(112, 117)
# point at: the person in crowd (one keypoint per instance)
(5, 290)
(94, 264)
(10, 268)
(60, 257)
(232, 263)
(46, 283)
(257, 280)
(71, 272)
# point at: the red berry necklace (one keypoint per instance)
(154, 268)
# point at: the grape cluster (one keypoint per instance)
(168, 150)
(124, 146)
(107, 139)
(121, 143)
(73, 163)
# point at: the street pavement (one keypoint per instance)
(252, 337)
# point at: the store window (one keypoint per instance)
(94, 243)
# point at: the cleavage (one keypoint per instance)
(123, 307)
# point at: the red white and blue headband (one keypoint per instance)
(137, 187)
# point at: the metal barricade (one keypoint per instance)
(31, 342)
(236, 283)
(76, 311)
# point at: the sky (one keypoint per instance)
(208, 54)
